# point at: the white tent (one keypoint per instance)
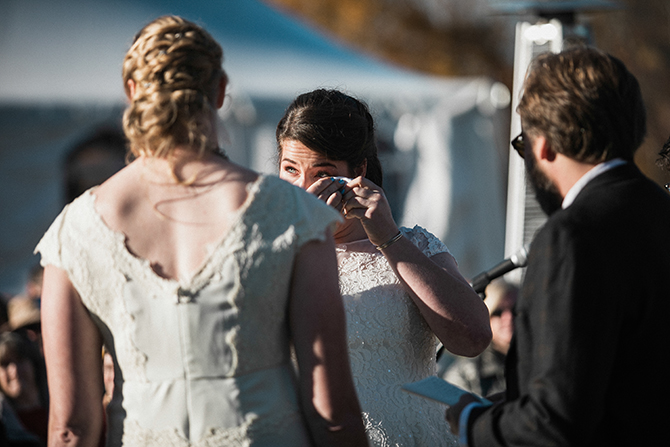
(60, 65)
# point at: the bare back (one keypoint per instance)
(174, 225)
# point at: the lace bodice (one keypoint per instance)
(390, 344)
(202, 361)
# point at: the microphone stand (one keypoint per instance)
(479, 282)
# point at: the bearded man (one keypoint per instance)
(589, 319)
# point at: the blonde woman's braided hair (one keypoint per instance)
(176, 67)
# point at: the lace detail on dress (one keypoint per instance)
(194, 349)
(100, 266)
(390, 344)
(429, 244)
(81, 257)
(244, 435)
(375, 432)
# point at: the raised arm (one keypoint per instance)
(318, 328)
(73, 352)
(452, 309)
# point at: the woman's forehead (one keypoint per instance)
(296, 152)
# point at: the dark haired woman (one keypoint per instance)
(401, 286)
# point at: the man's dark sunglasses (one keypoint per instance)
(519, 145)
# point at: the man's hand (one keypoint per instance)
(454, 412)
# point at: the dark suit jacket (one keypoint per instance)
(591, 325)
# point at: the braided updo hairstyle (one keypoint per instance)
(333, 124)
(176, 68)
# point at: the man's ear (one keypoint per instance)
(546, 152)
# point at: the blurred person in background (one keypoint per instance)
(12, 432)
(23, 383)
(484, 375)
(23, 311)
(93, 160)
(33, 288)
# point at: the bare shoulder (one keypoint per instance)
(235, 184)
(117, 196)
(240, 175)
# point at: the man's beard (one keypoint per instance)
(546, 192)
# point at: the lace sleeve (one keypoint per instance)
(427, 242)
(49, 246)
(310, 216)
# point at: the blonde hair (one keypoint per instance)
(176, 67)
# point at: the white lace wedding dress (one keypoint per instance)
(204, 361)
(390, 344)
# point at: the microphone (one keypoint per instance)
(518, 259)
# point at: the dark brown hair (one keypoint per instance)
(586, 103)
(333, 124)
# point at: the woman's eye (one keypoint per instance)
(290, 169)
(323, 175)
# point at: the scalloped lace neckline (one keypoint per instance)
(145, 265)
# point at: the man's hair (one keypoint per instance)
(664, 156)
(586, 103)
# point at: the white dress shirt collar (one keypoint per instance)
(590, 175)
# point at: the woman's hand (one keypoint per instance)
(367, 202)
(361, 199)
(452, 309)
(330, 190)
(453, 413)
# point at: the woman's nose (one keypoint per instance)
(301, 182)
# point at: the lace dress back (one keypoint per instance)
(390, 344)
(203, 361)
